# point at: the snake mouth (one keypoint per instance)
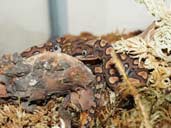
(88, 58)
(91, 59)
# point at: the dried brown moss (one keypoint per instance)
(121, 110)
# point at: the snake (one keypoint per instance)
(51, 45)
(97, 54)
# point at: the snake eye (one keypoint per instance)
(84, 52)
(56, 47)
(126, 66)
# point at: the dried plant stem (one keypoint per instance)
(133, 91)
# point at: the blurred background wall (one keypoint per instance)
(24, 23)
(104, 16)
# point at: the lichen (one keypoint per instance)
(153, 46)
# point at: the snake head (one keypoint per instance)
(81, 49)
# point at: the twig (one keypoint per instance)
(133, 91)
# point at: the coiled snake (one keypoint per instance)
(96, 53)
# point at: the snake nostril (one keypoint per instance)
(51, 50)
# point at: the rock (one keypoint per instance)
(3, 92)
(4, 79)
(18, 70)
(84, 98)
(47, 74)
(17, 58)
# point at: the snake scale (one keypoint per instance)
(96, 53)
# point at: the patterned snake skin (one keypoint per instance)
(96, 53)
